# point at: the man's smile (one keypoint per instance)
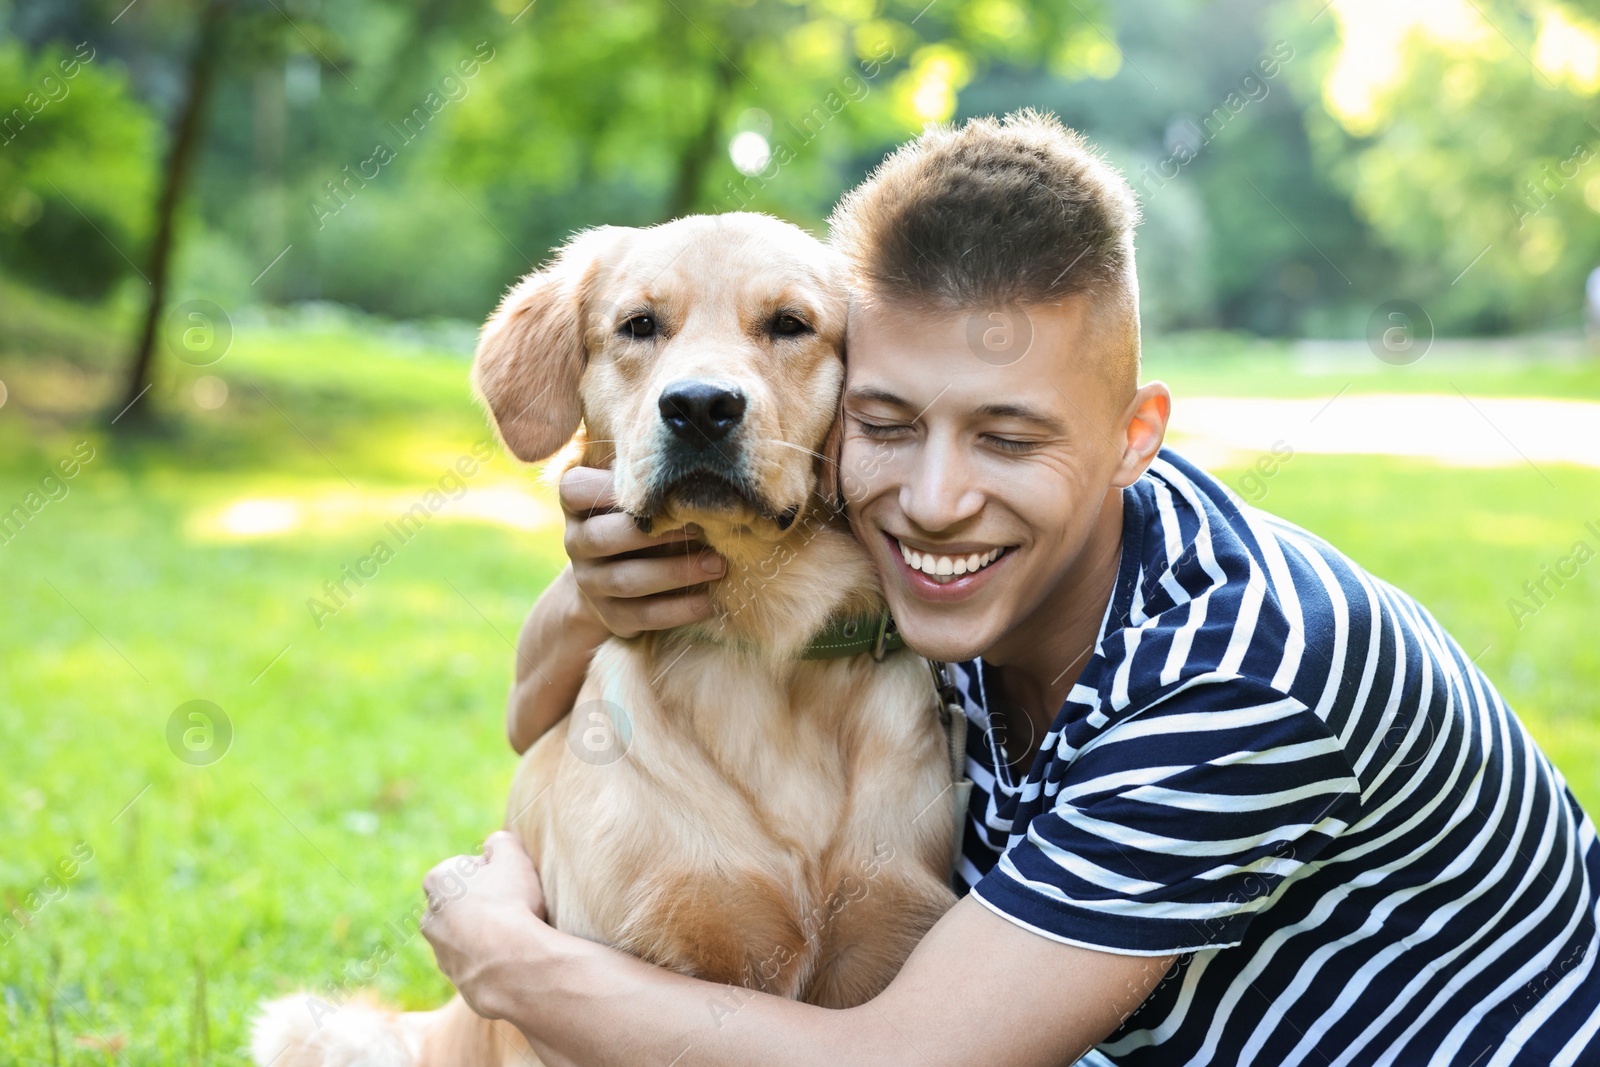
(949, 572)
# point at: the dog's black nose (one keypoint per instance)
(701, 411)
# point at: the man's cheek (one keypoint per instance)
(864, 467)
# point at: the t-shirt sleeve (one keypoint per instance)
(1173, 828)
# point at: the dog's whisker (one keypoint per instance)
(799, 448)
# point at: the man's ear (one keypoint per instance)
(531, 352)
(1145, 429)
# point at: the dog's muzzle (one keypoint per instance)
(700, 459)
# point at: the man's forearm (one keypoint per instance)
(553, 652)
(977, 989)
(657, 1017)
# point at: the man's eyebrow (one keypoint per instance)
(1021, 412)
(881, 396)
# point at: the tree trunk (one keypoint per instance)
(180, 159)
(703, 149)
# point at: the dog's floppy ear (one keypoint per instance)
(531, 352)
(830, 484)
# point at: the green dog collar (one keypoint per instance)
(853, 635)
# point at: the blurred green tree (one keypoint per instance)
(1468, 137)
(238, 35)
(1439, 151)
(657, 94)
(199, 80)
(1243, 227)
(76, 166)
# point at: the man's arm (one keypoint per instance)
(620, 582)
(553, 652)
(978, 989)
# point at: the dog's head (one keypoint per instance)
(702, 357)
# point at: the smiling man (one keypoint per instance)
(1236, 801)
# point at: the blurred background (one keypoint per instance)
(262, 562)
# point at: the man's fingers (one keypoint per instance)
(613, 535)
(433, 883)
(506, 848)
(667, 612)
(586, 489)
(647, 591)
(630, 578)
(431, 880)
(503, 838)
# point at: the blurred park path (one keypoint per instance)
(1450, 428)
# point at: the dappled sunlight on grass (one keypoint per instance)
(335, 511)
(254, 517)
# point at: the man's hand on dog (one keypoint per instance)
(631, 581)
(622, 583)
(480, 909)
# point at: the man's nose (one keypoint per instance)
(939, 491)
(700, 411)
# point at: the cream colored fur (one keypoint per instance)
(774, 822)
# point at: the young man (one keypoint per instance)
(1236, 801)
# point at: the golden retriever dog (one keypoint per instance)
(734, 799)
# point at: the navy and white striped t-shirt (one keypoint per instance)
(1281, 769)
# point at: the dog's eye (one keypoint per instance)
(640, 326)
(787, 325)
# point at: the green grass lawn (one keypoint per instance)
(1206, 364)
(367, 748)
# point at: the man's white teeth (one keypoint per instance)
(947, 567)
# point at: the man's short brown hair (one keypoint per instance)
(1015, 211)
